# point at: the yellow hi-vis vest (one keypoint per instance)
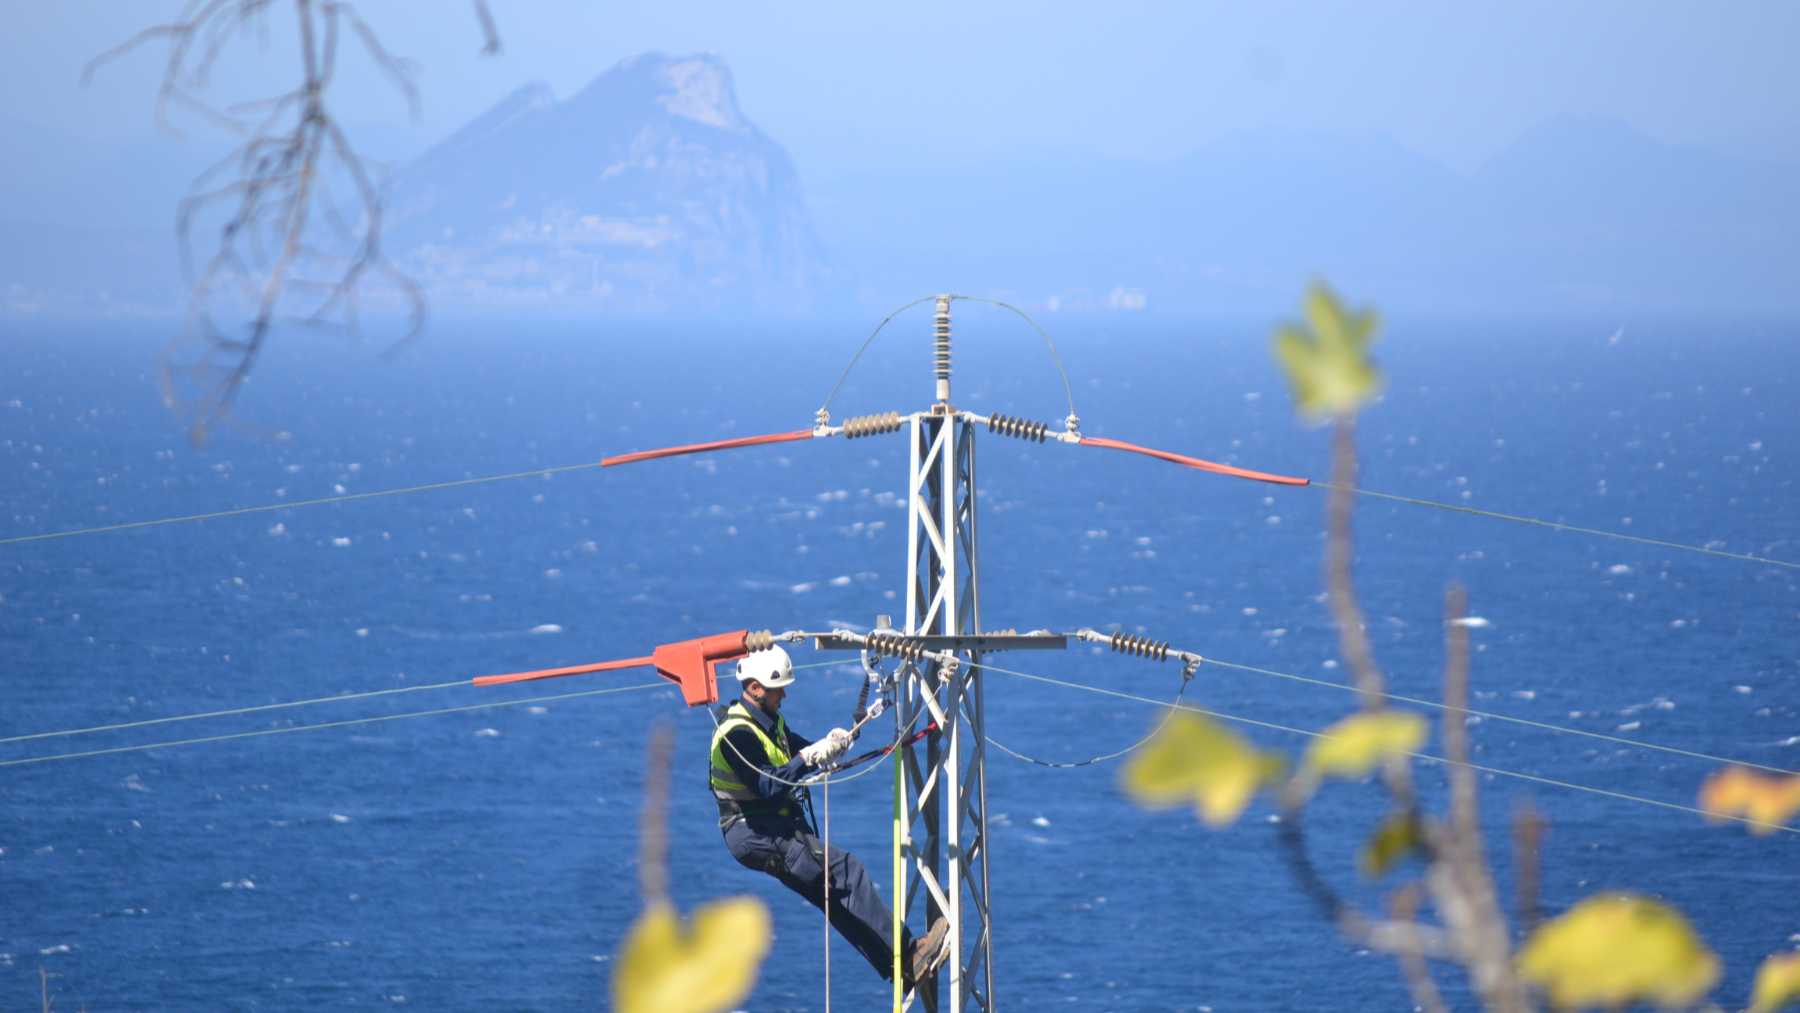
(737, 799)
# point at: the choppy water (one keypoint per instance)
(487, 860)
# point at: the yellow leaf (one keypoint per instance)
(1196, 760)
(1354, 746)
(1619, 948)
(1327, 361)
(1768, 802)
(1397, 837)
(710, 965)
(1777, 983)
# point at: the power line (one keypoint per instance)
(1559, 526)
(123, 725)
(266, 507)
(1491, 716)
(564, 469)
(1426, 757)
(234, 711)
(329, 724)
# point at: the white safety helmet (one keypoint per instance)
(772, 667)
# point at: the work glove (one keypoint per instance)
(826, 749)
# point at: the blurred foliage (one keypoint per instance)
(1616, 949)
(1195, 759)
(1356, 745)
(1768, 802)
(1398, 836)
(1777, 984)
(1327, 359)
(709, 966)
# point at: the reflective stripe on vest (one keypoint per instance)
(722, 777)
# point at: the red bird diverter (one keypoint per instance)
(694, 664)
(691, 664)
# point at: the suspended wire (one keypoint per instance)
(1068, 391)
(564, 469)
(1427, 757)
(1174, 705)
(121, 726)
(854, 359)
(265, 508)
(1559, 526)
(330, 724)
(1491, 716)
(341, 698)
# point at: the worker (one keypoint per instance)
(756, 764)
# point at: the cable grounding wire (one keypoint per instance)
(1174, 705)
(1559, 526)
(1424, 757)
(854, 359)
(1056, 360)
(330, 724)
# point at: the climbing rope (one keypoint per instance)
(825, 826)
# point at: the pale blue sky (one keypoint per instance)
(844, 85)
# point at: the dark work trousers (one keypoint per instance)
(792, 854)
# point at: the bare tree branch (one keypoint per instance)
(1404, 906)
(653, 832)
(1528, 837)
(259, 230)
(490, 36)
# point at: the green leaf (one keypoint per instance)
(710, 965)
(1615, 949)
(1397, 837)
(1327, 360)
(1353, 747)
(1194, 759)
(1777, 983)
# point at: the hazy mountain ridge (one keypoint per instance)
(650, 192)
(646, 191)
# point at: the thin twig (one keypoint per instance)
(653, 832)
(1528, 838)
(1404, 906)
(269, 245)
(1340, 589)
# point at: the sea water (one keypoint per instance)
(489, 859)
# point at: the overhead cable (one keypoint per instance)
(1424, 757)
(258, 708)
(318, 501)
(1527, 722)
(1559, 526)
(329, 724)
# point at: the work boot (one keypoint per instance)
(928, 951)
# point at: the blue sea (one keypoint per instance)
(488, 859)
